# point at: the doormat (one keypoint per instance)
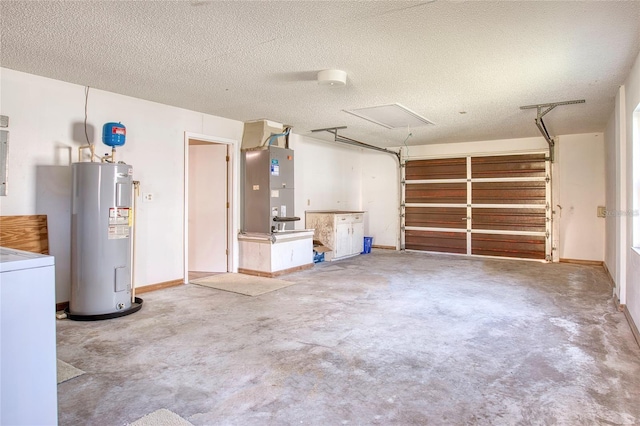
(248, 285)
(67, 371)
(162, 417)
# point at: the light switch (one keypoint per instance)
(602, 211)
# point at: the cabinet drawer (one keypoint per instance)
(349, 218)
(357, 218)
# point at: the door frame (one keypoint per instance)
(233, 212)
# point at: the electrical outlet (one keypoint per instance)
(147, 197)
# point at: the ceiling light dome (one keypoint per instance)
(332, 78)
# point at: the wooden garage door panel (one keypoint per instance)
(448, 168)
(508, 166)
(521, 246)
(436, 217)
(509, 192)
(529, 220)
(443, 193)
(447, 242)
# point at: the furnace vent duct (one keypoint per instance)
(257, 133)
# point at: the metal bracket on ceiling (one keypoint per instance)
(542, 110)
(349, 141)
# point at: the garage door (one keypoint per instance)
(488, 206)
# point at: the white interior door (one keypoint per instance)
(208, 204)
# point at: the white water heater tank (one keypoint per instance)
(101, 234)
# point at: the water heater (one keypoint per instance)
(101, 241)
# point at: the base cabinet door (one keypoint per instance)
(343, 240)
(342, 232)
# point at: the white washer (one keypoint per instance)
(28, 382)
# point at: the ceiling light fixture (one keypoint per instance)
(332, 78)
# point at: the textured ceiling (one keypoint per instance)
(250, 60)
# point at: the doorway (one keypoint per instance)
(208, 206)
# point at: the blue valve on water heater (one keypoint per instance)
(114, 134)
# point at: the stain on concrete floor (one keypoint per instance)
(384, 338)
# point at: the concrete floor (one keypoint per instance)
(385, 338)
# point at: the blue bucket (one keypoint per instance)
(368, 242)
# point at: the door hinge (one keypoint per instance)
(547, 179)
(547, 235)
(227, 158)
(227, 204)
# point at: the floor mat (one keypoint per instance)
(248, 285)
(162, 417)
(67, 371)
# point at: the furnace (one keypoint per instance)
(269, 243)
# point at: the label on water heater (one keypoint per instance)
(119, 223)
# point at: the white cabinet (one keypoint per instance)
(341, 231)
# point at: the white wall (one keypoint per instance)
(334, 176)
(45, 118)
(514, 146)
(611, 225)
(381, 198)
(632, 100)
(328, 176)
(624, 259)
(580, 165)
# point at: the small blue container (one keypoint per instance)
(113, 134)
(368, 242)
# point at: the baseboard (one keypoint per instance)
(583, 262)
(383, 247)
(276, 273)
(145, 289)
(634, 328)
(612, 282)
(159, 286)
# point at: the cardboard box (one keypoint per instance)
(321, 253)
